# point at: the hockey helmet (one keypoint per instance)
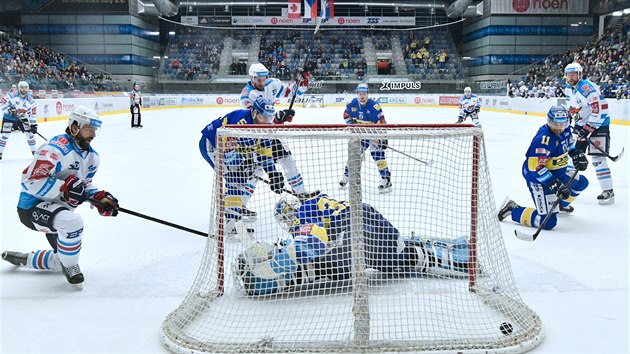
(84, 116)
(258, 70)
(264, 107)
(573, 68)
(23, 87)
(558, 118)
(467, 91)
(286, 211)
(363, 87)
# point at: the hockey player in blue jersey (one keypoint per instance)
(592, 122)
(545, 171)
(319, 248)
(364, 110)
(469, 106)
(57, 181)
(18, 113)
(243, 160)
(272, 89)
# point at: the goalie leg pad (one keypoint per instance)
(445, 257)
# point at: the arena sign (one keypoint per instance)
(540, 7)
(337, 21)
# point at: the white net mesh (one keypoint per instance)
(418, 266)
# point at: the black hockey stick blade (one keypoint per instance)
(526, 237)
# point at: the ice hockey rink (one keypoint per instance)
(137, 271)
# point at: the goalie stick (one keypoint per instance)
(531, 238)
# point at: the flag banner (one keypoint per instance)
(294, 9)
(310, 8)
(328, 9)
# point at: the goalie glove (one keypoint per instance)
(560, 189)
(74, 191)
(105, 203)
(285, 115)
(276, 182)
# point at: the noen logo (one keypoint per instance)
(520, 5)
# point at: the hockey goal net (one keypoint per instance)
(313, 101)
(420, 269)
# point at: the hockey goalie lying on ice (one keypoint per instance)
(320, 248)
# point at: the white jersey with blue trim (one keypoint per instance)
(593, 107)
(55, 161)
(467, 105)
(273, 90)
(24, 106)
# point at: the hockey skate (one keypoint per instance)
(343, 182)
(566, 209)
(248, 215)
(15, 258)
(506, 208)
(385, 186)
(607, 197)
(73, 274)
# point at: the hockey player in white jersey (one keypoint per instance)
(469, 106)
(57, 181)
(589, 108)
(18, 113)
(260, 85)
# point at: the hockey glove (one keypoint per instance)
(73, 190)
(306, 76)
(584, 132)
(382, 144)
(285, 115)
(105, 203)
(34, 128)
(560, 189)
(276, 182)
(245, 169)
(579, 160)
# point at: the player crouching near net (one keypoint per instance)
(243, 160)
(319, 249)
(364, 110)
(57, 181)
(547, 174)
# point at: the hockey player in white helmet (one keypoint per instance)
(589, 109)
(260, 85)
(469, 106)
(56, 182)
(18, 113)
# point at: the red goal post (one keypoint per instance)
(441, 206)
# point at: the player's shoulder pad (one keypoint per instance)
(63, 143)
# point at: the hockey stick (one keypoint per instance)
(298, 195)
(531, 238)
(23, 129)
(614, 158)
(159, 221)
(297, 84)
(592, 143)
(426, 163)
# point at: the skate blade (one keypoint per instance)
(78, 287)
(606, 202)
(385, 190)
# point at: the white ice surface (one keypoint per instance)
(137, 271)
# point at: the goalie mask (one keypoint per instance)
(286, 211)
